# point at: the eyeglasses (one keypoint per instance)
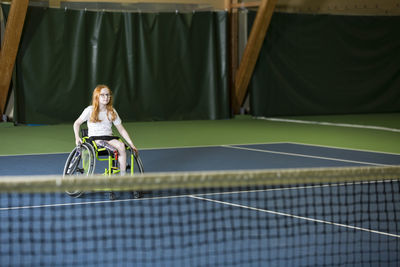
(105, 95)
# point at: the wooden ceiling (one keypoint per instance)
(342, 7)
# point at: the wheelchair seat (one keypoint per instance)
(101, 150)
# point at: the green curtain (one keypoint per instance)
(160, 66)
(326, 64)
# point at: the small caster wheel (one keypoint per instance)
(136, 194)
(112, 196)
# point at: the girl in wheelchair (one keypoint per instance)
(100, 117)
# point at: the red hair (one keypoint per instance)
(95, 103)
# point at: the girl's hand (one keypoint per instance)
(78, 141)
(134, 149)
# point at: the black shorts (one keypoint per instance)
(103, 137)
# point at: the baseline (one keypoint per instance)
(347, 125)
(295, 216)
(305, 155)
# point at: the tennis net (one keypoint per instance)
(295, 217)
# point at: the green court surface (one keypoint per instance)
(355, 134)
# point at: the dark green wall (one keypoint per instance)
(166, 66)
(327, 64)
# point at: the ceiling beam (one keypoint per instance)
(9, 50)
(252, 51)
(246, 4)
(233, 49)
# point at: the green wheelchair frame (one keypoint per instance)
(82, 161)
(113, 163)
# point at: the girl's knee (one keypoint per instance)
(121, 148)
(118, 145)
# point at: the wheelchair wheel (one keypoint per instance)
(135, 167)
(138, 166)
(80, 162)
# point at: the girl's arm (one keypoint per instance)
(125, 135)
(77, 125)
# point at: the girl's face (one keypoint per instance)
(104, 96)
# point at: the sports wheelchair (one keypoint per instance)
(82, 161)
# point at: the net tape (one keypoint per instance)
(194, 180)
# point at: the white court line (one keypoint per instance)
(145, 149)
(297, 187)
(198, 197)
(335, 147)
(142, 199)
(87, 203)
(306, 156)
(295, 216)
(348, 125)
(183, 196)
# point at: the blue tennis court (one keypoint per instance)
(291, 225)
(226, 157)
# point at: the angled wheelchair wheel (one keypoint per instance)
(80, 162)
(138, 168)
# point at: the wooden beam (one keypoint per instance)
(55, 3)
(227, 5)
(217, 2)
(252, 50)
(233, 49)
(12, 36)
(246, 4)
